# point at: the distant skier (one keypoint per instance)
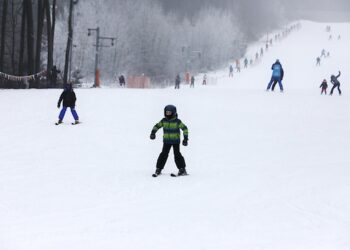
(336, 83)
(324, 87)
(69, 98)
(238, 65)
(277, 75)
(231, 71)
(256, 56)
(339, 37)
(187, 78)
(54, 74)
(171, 138)
(330, 37)
(261, 52)
(122, 81)
(205, 79)
(246, 63)
(177, 81)
(318, 61)
(192, 82)
(323, 53)
(251, 62)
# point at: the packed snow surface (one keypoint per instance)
(268, 170)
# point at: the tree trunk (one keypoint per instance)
(21, 48)
(69, 43)
(49, 36)
(39, 37)
(3, 33)
(53, 27)
(30, 38)
(14, 42)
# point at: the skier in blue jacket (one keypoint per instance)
(277, 75)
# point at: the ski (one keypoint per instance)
(57, 123)
(176, 175)
(155, 175)
(75, 123)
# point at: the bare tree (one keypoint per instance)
(69, 41)
(3, 33)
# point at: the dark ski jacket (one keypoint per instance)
(171, 128)
(121, 79)
(334, 79)
(177, 80)
(68, 97)
(324, 85)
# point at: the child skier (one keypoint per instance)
(171, 128)
(324, 87)
(336, 83)
(68, 97)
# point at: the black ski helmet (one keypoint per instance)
(171, 110)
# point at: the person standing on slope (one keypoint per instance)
(122, 81)
(192, 82)
(277, 75)
(171, 139)
(318, 61)
(231, 71)
(238, 65)
(205, 79)
(177, 81)
(324, 87)
(69, 98)
(336, 83)
(246, 63)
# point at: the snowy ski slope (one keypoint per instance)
(268, 171)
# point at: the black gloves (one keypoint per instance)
(184, 142)
(58, 105)
(152, 136)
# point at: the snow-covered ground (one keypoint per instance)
(267, 170)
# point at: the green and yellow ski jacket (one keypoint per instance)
(171, 129)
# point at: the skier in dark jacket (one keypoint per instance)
(122, 81)
(177, 82)
(246, 63)
(171, 138)
(68, 97)
(324, 87)
(336, 83)
(277, 75)
(192, 82)
(54, 75)
(318, 61)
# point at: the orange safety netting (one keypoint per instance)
(141, 82)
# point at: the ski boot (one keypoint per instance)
(158, 172)
(76, 122)
(59, 122)
(182, 172)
